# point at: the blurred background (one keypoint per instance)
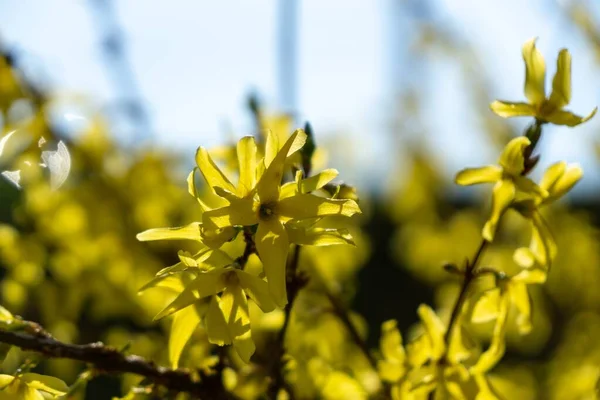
(397, 93)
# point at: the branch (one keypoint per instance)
(107, 359)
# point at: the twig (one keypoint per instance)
(107, 359)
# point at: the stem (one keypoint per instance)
(462, 296)
(344, 316)
(107, 359)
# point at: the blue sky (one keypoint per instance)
(195, 63)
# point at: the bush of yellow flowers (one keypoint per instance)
(239, 283)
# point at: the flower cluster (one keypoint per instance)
(446, 359)
(271, 214)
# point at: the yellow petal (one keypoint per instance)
(527, 186)
(317, 181)
(552, 175)
(257, 289)
(535, 73)
(531, 276)
(561, 84)
(487, 307)
(188, 232)
(473, 176)
(270, 182)
(490, 357)
(522, 302)
(512, 159)
(212, 174)
(272, 245)
(524, 257)
(318, 236)
(435, 329)
(542, 244)
(246, 153)
(235, 309)
(485, 391)
(507, 109)
(563, 117)
(184, 324)
(566, 181)
(504, 193)
(217, 329)
(306, 206)
(391, 342)
(239, 212)
(206, 284)
(5, 315)
(45, 383)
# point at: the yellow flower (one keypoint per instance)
(546, 109)
(30, 386)
(428, 363)
(495, 304)
(227, 316)
(508, 178)
(262, 200)
(558, 179)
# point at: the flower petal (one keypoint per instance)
(520, 299)
(206, 284)
(188, 232)
(305, 206)
(473, 176)
(272, 245)
(512, 158)
(318, 181)
(270, 182)
(239, 212)
(217, 329)
(45, 383)
(535, 73)
(184, 324)
(318, 236)
(212, 174)
(524, 257)
(246, 153)
(563, 117)
(507, 109)
(561, 83)
(504, 193)
(486, 307)
(490, 357)
(569, 178)
(235, 309)
(542, 242)
(257, 289)
(552, 175)
(435, 329)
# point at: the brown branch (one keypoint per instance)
(107, 359)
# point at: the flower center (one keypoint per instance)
(266, 210)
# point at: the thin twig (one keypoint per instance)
(107, 359)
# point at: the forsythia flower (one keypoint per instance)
(227, 317)
(547, 109)
(30, 386)
(508, 178)
(261, 200)
(558, 179)
(495, 304)
(427, 363)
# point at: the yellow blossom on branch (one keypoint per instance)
(546, 109)
(508, 178)
(271, 208)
